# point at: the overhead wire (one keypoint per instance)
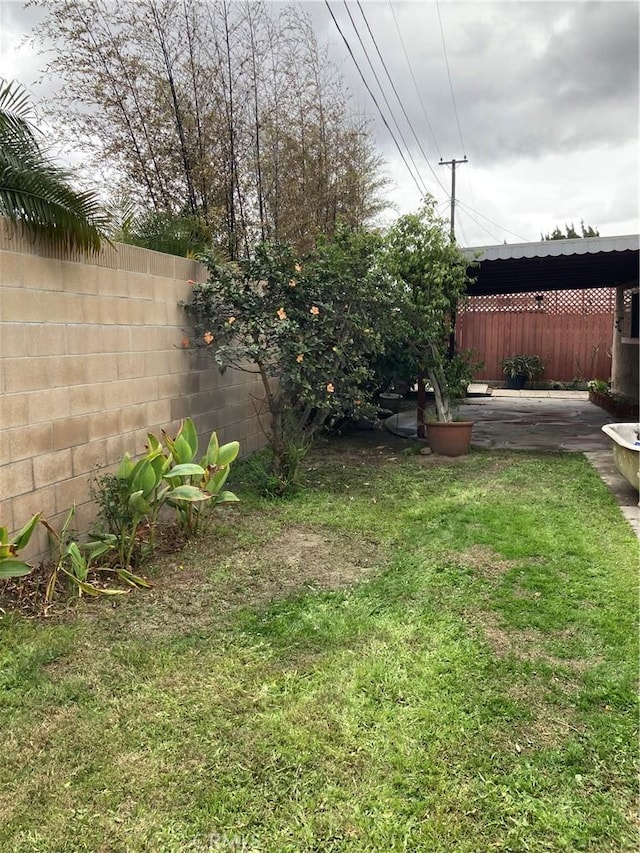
(373, 97)
(480, 225)
(453, 97)
(386, 100)
(413, 77)
(446, 59)
(398, 98)
(497, 224)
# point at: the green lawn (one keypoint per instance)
(410, 655)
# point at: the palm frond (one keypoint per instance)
(35, 192)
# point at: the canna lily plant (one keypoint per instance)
(11, 566)
(167, 475)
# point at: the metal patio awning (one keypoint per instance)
(555, 265)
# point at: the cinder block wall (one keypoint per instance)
(91, 360)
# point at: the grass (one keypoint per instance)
(410, 655)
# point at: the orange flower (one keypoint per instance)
(314, 310)
(207, 338)
(292, 282)
(191, 281)
(231, 320)
(298, 268)
(299, 359)
(282, 314)
(184, 343)
(330, 388)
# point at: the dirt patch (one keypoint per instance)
(200, 588)
(484, 561)
(298, 559)
(529, 645)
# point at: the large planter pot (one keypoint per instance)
(449, 439)
(517, 382)
(391, 401)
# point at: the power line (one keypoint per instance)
(395, 91)
(373, 97)
(386, 100)
(497, 224)
(479, 224)
(453, 97)
(446, 59)
(415, 83)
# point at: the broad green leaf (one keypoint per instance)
(67, 523)
(123, 472)
(211, 456)
(215, 483)
(138, 505)
(159, 463)
(134, 580)
(183, 451)
(188, 493)
(190, 435)
(98, 548)
(78, 562)
(144, 477)
(188, 469)
(25, 534)
(4, 535)
(227, 498)
(14, 568)
(228, 452)
(153, 443)
(80, 583)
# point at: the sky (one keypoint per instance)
(542, 98)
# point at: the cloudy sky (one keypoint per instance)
(542, 98)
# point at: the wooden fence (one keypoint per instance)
(572, 331)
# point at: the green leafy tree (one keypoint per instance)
(307, 327)
(33, 191)
(570, 232)
(430, 281)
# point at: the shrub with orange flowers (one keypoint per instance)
(311, 345)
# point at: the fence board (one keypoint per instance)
(572, 331)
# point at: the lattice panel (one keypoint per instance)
(583, 302)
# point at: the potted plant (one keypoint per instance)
(430, 279)
(520, 368)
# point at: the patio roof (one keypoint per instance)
(555, 265)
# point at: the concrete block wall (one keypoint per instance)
(90, 361)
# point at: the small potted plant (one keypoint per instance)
(520, 368)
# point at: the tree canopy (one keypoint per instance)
(570, 232)
(229, 113)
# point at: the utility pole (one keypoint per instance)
(453, 163)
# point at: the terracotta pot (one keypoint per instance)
(449, 439)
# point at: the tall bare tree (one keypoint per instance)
(226, 112)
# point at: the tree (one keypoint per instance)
(307, 327)
(570, 232)
(430, 281)
(227, 112)
(33, 191)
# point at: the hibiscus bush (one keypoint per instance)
(308, 326)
